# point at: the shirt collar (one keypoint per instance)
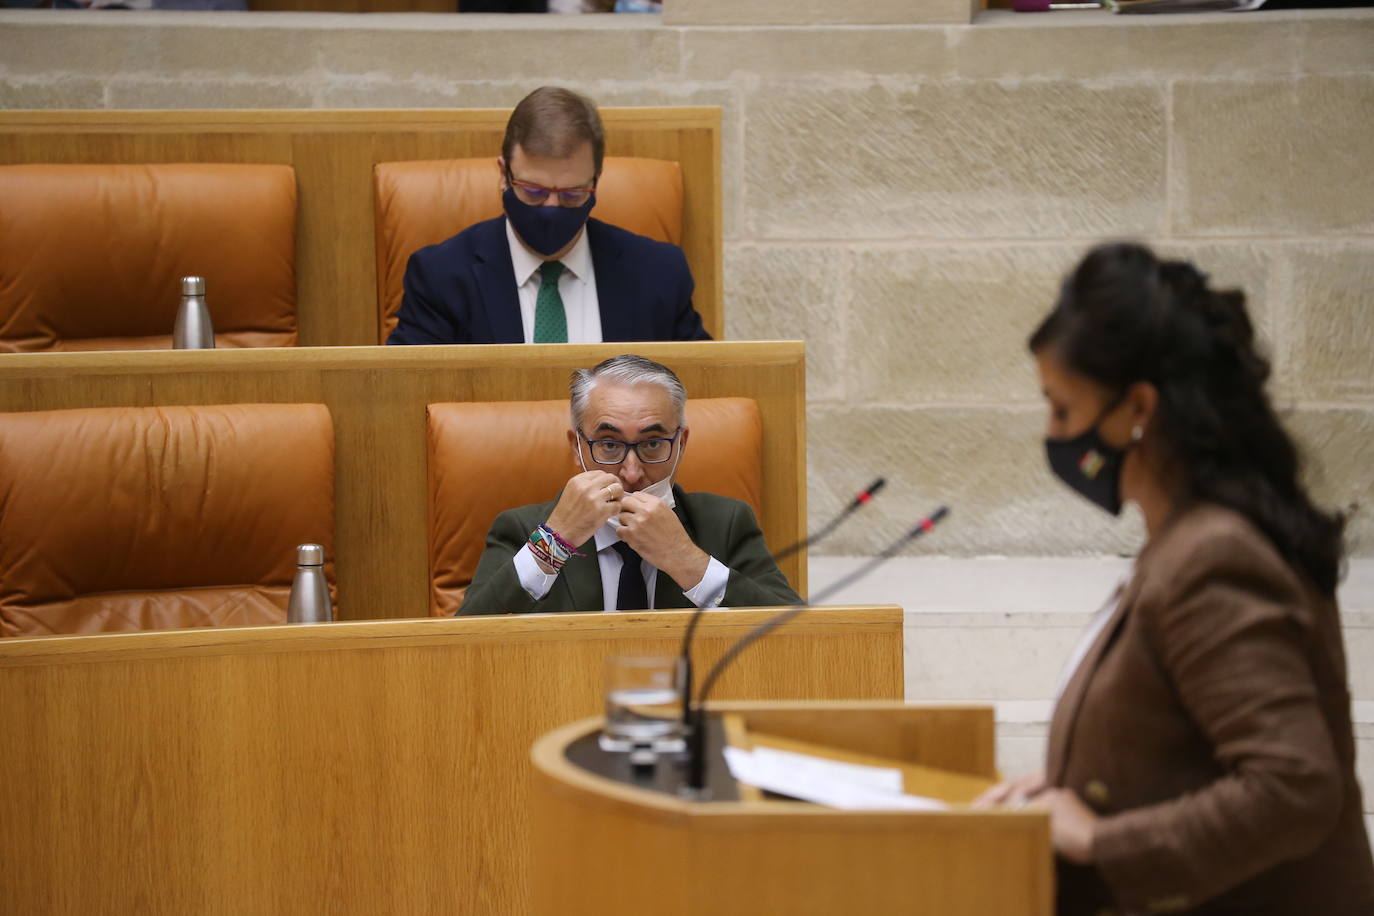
(606, 536)
(576, 262)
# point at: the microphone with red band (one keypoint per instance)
(696, 733)
(863, 498)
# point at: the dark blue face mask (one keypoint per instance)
(1090, 466)
(546, 230)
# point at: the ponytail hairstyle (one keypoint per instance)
(1124, 316)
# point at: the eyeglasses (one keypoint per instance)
(537, 194)
(613, 451)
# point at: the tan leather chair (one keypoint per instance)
(131, 518)
(424, 203)
(91, 255)
(485, 458)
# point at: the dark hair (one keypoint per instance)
(554, 122)
(1124, 316)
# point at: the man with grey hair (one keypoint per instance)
(622, 535)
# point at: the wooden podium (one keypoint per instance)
(602, 845)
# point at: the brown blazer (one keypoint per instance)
(1209, 726)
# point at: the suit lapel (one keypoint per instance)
(582, 579)
(495, 274)
(1066, 709)
(667, 594)
(613, 292)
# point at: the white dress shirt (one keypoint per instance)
(1091, 634)
(577, 286)
(708, 593)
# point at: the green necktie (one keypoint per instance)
(550, 321)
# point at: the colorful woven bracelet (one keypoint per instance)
(569, 549)
(540, 547)
(550, 541)
(543, 556)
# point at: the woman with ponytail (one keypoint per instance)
(1201, 754)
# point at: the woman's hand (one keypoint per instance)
(1071, 824)
(1071, 821)
(1014, 793)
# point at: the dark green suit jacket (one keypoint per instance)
(725, 528)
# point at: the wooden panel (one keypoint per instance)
(333, 153)
(959, 738)
(368, 767)
(377, 396)
(948, 786)
(654, 853)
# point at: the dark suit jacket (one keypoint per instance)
(1209, 726)
(463, 291)
(725, 528)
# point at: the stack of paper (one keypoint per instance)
(851, 786)
(1182, 6)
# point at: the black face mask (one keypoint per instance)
(1090, 466)
(547, 230)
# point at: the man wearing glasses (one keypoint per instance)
(545, 272)
(622, 535)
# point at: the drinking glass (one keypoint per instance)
(643, 703)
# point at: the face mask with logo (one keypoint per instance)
(547, 230)
(1090, 466)
(663, 489)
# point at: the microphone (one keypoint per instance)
(696, 734)
(861, 499)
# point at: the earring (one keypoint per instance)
(1137, 433)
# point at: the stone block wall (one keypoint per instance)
(903, 197)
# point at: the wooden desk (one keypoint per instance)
(377, 397)
(333, 153)
(360, 767)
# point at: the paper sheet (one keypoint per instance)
(850, 786)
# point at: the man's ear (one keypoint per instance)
(573, 449)
(501, 168)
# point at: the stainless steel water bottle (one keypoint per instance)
(193, 330)
(309, 602)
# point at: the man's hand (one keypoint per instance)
(587, 501)
(657, 535)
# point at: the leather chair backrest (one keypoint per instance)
(131, 518)
(485, 458)
(424, 203)
(91, 256)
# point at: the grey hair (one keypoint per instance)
(627, 369)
